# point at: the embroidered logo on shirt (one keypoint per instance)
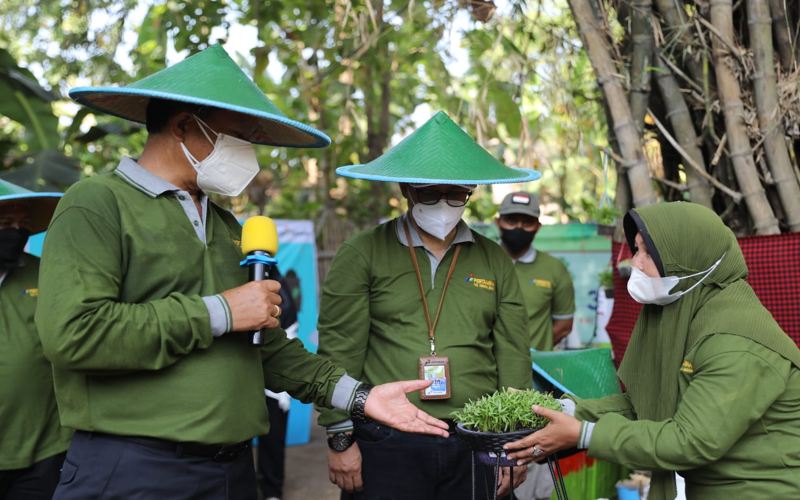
(687, 367)
(480, 282)
(542, 283)
(31, 292)
(238, 243)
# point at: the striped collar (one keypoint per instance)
(142, 179)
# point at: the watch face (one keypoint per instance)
(340, 441)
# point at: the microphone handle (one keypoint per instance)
(258, 272)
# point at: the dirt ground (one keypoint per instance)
(307, 469)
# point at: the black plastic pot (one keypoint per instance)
(488, 446)
(606, 229)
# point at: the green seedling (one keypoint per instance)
(506, 410)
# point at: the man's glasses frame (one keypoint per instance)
(431, 197)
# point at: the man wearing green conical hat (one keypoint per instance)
(32, 442)
(712, 382)
(143, 301)
(423, 295)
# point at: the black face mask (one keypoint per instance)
(12, 243)
(516, 240)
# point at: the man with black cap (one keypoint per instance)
(545, 281)
(32, 442)
(143, 302)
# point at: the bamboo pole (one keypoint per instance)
(735, 195)
(741, 154)
(769, 115)
(673, 14)
(641, 60)
(625, 130)
(783, 40)
(681, 121)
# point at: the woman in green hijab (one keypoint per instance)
(712, 382)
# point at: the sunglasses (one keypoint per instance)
(453, 198)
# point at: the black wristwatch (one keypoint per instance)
(357, 412)
(340, 441)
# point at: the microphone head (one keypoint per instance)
(259, 233)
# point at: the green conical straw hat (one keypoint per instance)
(208, 78)
(40, 206)
(439, 152)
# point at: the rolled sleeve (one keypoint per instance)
(343, 393)
(219, 314)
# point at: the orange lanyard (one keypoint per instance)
(426, 311)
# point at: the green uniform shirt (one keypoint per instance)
(122, 317)
(736, 433)
(29, 428)
(548, 293)
(371, 319)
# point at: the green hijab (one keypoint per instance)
(686, 238)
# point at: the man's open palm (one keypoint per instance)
(388, 404)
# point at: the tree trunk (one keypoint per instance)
(681, 121)
(642, 35)
(769, 115)
(624, 127)
(378, 126)
(741, 153)
(780, 27)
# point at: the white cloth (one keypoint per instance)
(538, 484)
(283, 398)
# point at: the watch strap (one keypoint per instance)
(358, 411)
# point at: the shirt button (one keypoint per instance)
(196, 223)
(181, 197)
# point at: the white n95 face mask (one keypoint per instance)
(437, 219)
(646, 289)
(230, 166)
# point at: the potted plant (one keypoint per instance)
(603, 215)
(493, 420)
(606, 278)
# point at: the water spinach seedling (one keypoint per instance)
(507, 410)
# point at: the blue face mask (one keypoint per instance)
(646, 289)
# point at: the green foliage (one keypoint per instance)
(506, 410)
(527, 91)
(605, 214)
(606, 278)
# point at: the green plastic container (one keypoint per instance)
(586, 373)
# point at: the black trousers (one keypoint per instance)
(272, 452)
(119, 468)
(36, 482)
(402, 466)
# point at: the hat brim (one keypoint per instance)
(131, 104)
(42, 206)
(518, 211)
(526, 175)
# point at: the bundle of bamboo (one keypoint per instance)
(726, 111)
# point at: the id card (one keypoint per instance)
(435, 368)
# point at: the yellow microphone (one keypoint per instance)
(259, 246)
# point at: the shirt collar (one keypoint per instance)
(463, 233)
(142, 179)
(528, 256)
